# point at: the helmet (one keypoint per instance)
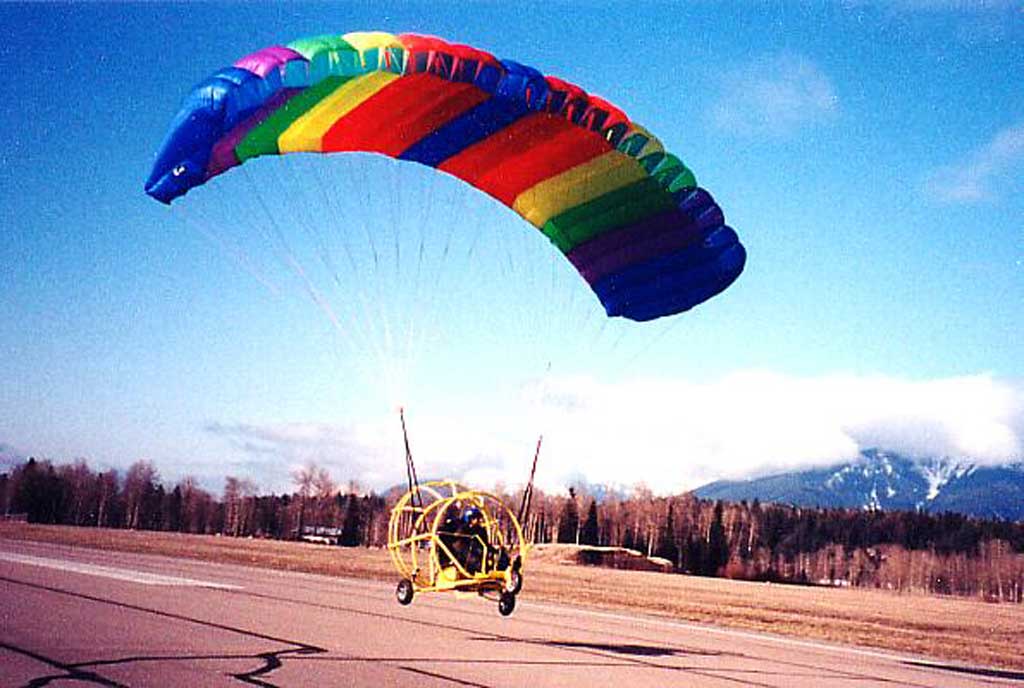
(469, 513)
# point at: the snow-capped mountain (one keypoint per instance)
(883, 480)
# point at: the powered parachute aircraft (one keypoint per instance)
(626, 213)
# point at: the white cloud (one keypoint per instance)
(774, 95)
(995, 167)
(677, 434)
(371, 452)
(268, 453)
(671, 434)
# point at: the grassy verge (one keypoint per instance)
(962, 630)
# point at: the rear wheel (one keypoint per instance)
(514, 582)
(506, 603)
(404, 591)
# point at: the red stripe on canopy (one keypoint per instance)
(526, 152)
(400, 114)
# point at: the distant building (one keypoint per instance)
(322, 535)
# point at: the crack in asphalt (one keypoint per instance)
(71, 671)
(271, 661)
(621, 653)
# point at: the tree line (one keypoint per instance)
(907, 551)
(946, 553)
(74, 494)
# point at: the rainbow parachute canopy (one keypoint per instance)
(627, 214)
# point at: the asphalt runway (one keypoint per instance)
(71, 616)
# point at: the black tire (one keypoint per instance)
(515, 582)
(506, 603)
(404, 591)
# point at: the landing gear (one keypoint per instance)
(514, 582)
(506, 603)
(404, 591)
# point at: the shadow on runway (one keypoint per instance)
(630, 649)
(619, 648)
(972, 671)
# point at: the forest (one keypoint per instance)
(903, 551)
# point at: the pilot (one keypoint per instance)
(466, 538)
(476, 536)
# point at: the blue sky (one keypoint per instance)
(869, 154)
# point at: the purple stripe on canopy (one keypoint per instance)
(698, 204)
(696, 215)
(261, 62)
(222, 157)
(612, 251)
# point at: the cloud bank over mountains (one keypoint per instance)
(669, 434)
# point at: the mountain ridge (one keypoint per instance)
(883, 480)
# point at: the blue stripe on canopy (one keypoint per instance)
(462, 132)
(675, 282)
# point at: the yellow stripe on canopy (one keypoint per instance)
(577, 185)
(368, 40)
(364, 40)
(307, 132)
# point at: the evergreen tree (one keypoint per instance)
(352, 526)
(173, 511)
(568, 527)
(5, 496)
(694, 559)
(30, 492)
(590, 535)
(718, 546)
(668, 548)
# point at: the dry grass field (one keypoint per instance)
(963, 630)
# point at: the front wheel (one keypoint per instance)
(404, 591)
(506, 603)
